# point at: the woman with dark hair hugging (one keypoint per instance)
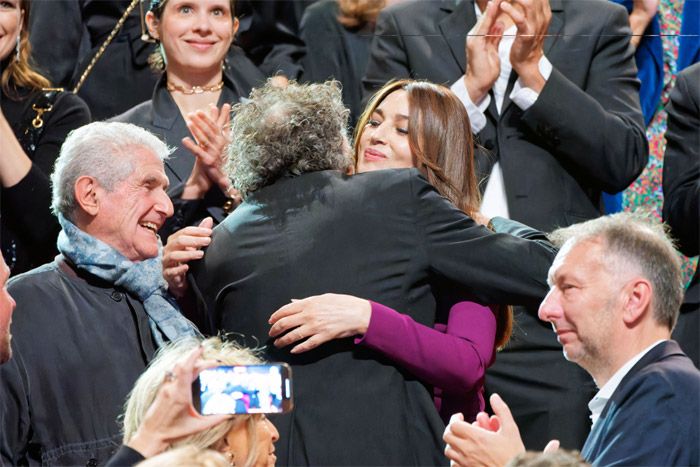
(423, 125)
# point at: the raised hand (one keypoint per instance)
(319, 319)
(531, 19)
(643, 11)
(487, 442)
(184, 246)
(211, 131)
(483, 63)
(172, 416)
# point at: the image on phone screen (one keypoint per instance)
(243, 389)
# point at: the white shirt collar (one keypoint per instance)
(597, 404)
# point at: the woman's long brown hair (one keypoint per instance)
(20, 73)
(442, 145)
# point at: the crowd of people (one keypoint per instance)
(174, 170)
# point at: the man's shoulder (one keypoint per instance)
(669, 378)
(419, 13)
(33, 278)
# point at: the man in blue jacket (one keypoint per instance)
(615, 292)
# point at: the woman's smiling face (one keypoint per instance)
(384, 140)
(195, 34)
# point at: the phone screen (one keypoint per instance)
(243, 389)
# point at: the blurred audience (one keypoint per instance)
(554, 133)
(681, 183)
(614, 300)
(34, 121)
(337, 34)
(384, 235)
(88, 323)
(666, 34)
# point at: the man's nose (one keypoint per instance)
(550, 308)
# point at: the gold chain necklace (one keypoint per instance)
(195, 89)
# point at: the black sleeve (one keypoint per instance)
(498, 268)
(681, 175)
(387, 59)
(124, 457)
(29, 201)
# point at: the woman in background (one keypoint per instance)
(34, 121)
(191, 102)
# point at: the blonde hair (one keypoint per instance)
(20, 72)
(357, 13)
(144, 392)
(187, 456)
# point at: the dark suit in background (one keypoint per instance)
(681, 184)
(583, 135)
(387, 236)
(652, 417)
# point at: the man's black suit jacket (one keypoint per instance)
(387, 236)
(584, 134)
(652, 417)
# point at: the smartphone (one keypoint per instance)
(243, 389)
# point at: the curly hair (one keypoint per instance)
(287, 131)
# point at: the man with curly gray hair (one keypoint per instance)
(306, 227)
(287, 132)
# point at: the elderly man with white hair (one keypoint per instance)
(87, 324)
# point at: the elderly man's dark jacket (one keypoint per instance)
(387, 236)
(79, 344)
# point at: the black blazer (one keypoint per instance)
(652, 417)
(681, 181)
(585, 133)
(387, 236)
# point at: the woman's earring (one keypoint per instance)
(17, 49)
(231, 458)
(162, 53)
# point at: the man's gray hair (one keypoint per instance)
(634, 242)
(101, 150)
(285, 132)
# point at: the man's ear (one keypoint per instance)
(236, 24)
(87, 194)
(638, 293)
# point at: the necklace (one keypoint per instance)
(195, 89)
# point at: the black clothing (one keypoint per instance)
(387, 236)
(335, 52)
(162, 116)
(28, 228)
(125, 457)
(79, 344)
(681, 184)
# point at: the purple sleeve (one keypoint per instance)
(455, 361)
